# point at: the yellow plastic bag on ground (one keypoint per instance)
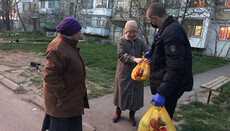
(156, 119)
(141, 72)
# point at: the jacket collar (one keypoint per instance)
(167, 22)
(70, 42)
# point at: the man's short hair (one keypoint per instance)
(156, 9)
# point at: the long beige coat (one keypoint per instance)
(128, 94)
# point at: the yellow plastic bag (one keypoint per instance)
(156, 119)
(141, 72)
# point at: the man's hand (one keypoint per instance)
(147, 55)
(137, 60)
(147, 61)
(159, 100)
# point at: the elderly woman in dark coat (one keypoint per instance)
(128, 94)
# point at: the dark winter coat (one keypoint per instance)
(171, 60)
(128, 94)
(64, 79)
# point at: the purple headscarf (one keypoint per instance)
(69, 26)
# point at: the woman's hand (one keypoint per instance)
(137, 60)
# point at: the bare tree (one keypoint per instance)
(19, 16)
(136, 11)
(5, 9)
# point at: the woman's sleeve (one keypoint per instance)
(122, 52)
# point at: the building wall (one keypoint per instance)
(28, 10)
(95, 17)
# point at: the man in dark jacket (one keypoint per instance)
(170, 59)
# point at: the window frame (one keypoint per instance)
(191, 27)
(24, 6)
(198, 3)
(43, 4)
(51, 4)
(227, 4)
(227, 33)
(101, 3)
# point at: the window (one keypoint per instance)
(173, 3)
(24, 6)
(227, 4)
(225, 32)
(101, 3)
(42, 4)
(35, 7)
(197, 30)
(51, 4)
(64, 5)
(86, 4)
(120, 3)
(193, 27)
(29, 6)
(198, 3)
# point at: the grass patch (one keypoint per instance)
(95, 93)
(203, 63)
(26, 47)
(25, 75)
(26, 36)
(101, 59)
(36, 81)
(198, 116)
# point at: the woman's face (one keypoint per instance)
(131, 35)
(76, 36)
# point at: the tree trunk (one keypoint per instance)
(185, 11)
(7, 20)
(20, 18)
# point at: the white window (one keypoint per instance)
(224, 32)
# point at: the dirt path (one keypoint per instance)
(16, 67)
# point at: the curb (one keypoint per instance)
(37, 100)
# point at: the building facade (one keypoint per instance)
(207, 22)
(28, 10)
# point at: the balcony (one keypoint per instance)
(97, 11)
(96, 31)
(51, 11)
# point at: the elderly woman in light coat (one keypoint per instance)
(128, 94)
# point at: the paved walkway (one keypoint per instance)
(99, 116)
(102, 110)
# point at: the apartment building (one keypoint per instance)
(207, 22)
(29, 14)
(51, 12)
